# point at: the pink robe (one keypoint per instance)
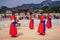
(31, 24)
(13, 29)
(48, 23)
(41, 29)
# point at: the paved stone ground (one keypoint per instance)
(24, 33)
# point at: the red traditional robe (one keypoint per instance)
(13, 29)
(41, 25)
(31, 24)
(48, 24)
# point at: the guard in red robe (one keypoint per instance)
(41, 27)
(31, 24)
(13, 29)
(48, 23)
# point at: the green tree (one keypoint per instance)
(45, 9)
(56, 9)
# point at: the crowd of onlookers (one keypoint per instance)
(56, 16)
(2, 17)
(37, 17)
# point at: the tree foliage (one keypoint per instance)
(51, 9)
